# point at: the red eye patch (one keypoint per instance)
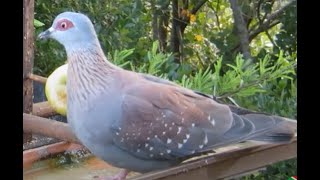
(64, 24)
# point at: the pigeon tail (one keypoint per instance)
(283, 130)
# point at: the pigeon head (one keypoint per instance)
(71, 30)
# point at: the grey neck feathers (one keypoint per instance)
(89, 73)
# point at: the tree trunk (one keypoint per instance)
(175, 32)
(241, 30)
(163, 25)
(160, 22)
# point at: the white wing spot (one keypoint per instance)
(209, 118)
(185, 140)
(127, 134)
(187, 136)
(173, 124)
(179, 145)
(163, 132)
(146, 145)
(138, 150)
(151, 155)
(193, 152)
(205, 141)
(164, 115)
(213, 122)
(157, 119)
(161, 154)
(150, 124)
(150, 149)
(119, 128)
(117, 133)
(169, 141)
(201, 146)
(165, 125)
(179, 129)
(122, 140)
(168, 151)
(148, 138)
(156, 136)
(170, 128)
(192, 124)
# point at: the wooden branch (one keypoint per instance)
(37, 78)
(196, 8)
(266, 24)
(47, 127)
(242, 30)
(277, 13)
(269, 22)
(261, 29)
(43, 109)
(216, 11)
(254, 34)
(28, 55)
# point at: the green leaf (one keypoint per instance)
(37, 23)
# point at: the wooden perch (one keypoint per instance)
(227, 162)
(37, 78)
(47, 127)
(43, 109)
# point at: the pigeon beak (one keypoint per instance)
(45, 34)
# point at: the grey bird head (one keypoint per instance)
(71, 30)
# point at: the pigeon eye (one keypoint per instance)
(64, 25)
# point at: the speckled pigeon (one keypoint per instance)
(141, 122)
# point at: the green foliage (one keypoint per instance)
(282, 170)
(120, 56)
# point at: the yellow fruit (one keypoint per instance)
(56, 91)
